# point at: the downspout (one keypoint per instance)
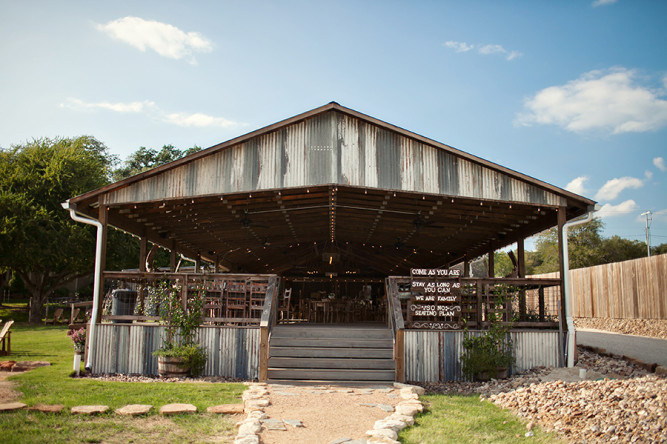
(571, 334)
(98, 275)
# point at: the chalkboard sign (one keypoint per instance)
(435, 302)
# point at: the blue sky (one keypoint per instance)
(573, 93)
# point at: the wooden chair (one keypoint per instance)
(57, 317)
(284, 305)
(236, 305)
(257, 296)
(6, 338)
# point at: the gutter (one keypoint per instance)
(98, 274)
(571, 333)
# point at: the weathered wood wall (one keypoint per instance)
(233, 352)
(635, 289)
(433, 356)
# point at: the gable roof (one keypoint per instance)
(363, 173)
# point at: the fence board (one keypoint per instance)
(635, 289)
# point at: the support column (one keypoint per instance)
(103, 217)
(143, 249)
(466, 267)
(492, 263)
(172, 256)
(521, 273)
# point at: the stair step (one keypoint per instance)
(331, 342)
(353, 363)
(330, 332)
(329, 352)
(331, 374)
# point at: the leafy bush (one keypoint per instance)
(492, 350)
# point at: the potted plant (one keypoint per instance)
(490, 354)
(179, 355)
(78, 340)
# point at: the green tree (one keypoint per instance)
(617, 249)
(38, 240)
(147, 158)
(585, 247)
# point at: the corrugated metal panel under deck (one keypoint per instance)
(331, 353)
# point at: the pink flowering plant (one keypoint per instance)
(79, 338)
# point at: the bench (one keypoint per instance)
(6, 338)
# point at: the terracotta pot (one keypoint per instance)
(171, 366)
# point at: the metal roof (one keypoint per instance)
(332, 180)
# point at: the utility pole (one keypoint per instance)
(648, 231)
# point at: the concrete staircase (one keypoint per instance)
(331, 353)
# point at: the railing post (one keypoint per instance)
(400, 355)
(263, 353)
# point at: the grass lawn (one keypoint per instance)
(464, 419)
(52, 385)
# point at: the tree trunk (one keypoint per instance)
(36, 306)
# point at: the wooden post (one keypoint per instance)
(492, 263)
(172, 256)
(103, 217)
(466, 267)
(399, 357)
(143, 247)
(540, 293)
(521, 273)
(263, 353)
(480, 311)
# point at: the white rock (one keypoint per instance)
(392, 424)
(409, 420)
(382, 433)
(250, 428)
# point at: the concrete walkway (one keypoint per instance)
(648, 350)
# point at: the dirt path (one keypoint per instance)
(7, 392)
(327, 412)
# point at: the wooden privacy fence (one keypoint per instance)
(635, 289)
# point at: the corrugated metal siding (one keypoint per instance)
(128, 349)
(433, 356)
(333, 148)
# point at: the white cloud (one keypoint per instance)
(648, 174)
(614, 187)
(658, 216)
(576, 185)
(459, 46)
(152, 110)
(198, 120)
(659, 163)
(165, 39)
(597, 3)
(129, 107)
(609, 210)
(483, 49)
(598, 100)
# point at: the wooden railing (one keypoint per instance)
(479, 297)
(230, 299)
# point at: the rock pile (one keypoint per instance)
(630, 410)
(624, 403)
(655, 328)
